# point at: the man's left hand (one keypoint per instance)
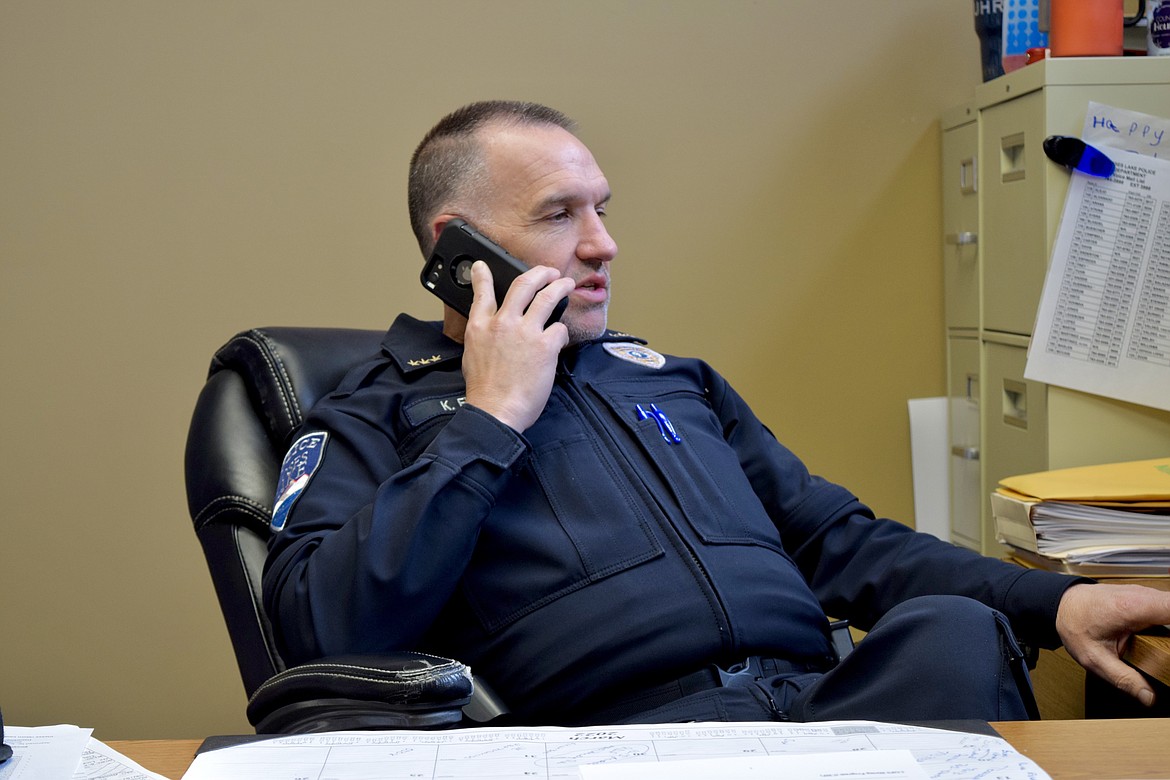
(1096, 623)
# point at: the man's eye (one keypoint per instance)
(560, 216)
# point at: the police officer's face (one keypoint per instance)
(545, 204)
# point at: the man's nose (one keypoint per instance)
(597, 244)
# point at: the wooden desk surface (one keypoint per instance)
(1065, 749)
(1151, 654)
(1093, 749)
(168, 757)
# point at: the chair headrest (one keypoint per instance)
(260, 385)
(287, 370)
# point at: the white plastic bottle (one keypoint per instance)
(1158, 33)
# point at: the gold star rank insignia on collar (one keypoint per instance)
(424, 361)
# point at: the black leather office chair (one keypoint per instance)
(258, 389)
(260, 384)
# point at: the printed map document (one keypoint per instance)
(559, 753)
(1103, 325)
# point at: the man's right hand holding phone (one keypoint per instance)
(510, 357)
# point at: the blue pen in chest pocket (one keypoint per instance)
(665, 426)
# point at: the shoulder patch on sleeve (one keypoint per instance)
(301, 461)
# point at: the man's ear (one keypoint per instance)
(438, 223)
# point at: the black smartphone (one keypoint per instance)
(448, 271)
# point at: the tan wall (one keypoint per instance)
(173, 172)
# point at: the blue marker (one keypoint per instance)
(1078, 155)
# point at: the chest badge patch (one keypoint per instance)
(635, 353)
(301, 461)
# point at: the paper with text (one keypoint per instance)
(99, 761)
(869, 765)
(557, 753)
(43, 752)
(1103, 325)
(1132, 131)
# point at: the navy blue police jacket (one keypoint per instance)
(646, 525)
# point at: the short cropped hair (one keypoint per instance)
(448, 163)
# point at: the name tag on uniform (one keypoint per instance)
(421, 411)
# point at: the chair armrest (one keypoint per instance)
(386, 691)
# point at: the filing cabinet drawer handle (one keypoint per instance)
(965, 238)
(966, 453)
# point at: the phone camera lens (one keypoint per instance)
(461, 271)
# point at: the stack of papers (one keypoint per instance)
(1109, 520)
(65, 752)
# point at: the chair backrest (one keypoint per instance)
(258, 389)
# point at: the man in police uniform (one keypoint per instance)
(609, 534)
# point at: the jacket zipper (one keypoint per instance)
(581, 400)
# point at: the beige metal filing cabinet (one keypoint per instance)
(1002, 200)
